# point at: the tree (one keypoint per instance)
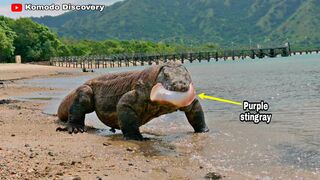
(80, 49)
(34, 42)
(6, 41)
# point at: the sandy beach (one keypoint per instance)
(10, 74)
(25, 71)
(30, 147)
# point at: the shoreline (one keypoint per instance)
(14, 72)
(12, 76)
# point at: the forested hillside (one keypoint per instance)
(197, 21)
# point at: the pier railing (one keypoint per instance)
(119, 60)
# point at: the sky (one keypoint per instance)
(5, 6)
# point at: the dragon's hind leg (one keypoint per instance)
(81, 104)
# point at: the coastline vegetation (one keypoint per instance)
(36, 42)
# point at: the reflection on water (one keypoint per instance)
(289, 143)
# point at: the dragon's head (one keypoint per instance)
(174, 77)
(173, 86)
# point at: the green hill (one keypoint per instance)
(196, 21)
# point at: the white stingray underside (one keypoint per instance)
(179, 99)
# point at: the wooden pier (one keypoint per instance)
(314, 51)
(126, 60)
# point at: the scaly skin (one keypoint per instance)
(122, 100)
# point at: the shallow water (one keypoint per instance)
(290, 144)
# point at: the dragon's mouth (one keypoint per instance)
(179, 99)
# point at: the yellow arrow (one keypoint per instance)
(204, 96)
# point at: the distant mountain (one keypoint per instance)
(196, 21)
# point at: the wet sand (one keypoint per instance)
(11, 74)
(31, 148)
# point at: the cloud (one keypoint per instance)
(5, 8)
